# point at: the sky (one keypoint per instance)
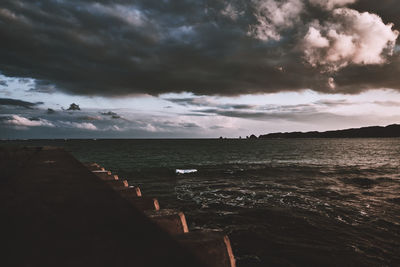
(196, 68)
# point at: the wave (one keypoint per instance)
(185, 171)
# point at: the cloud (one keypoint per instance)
(206, 102)
(274, 16)
(16, 120)
(216, 127)
(330, 4)
(299, 116)
(92, 122)
(111, 114)
(3, 83)
(114, 128)
(17, 102)
(89, 118)
(331, 83)
(212, 106)
(191, 101)
(116, 48)
(350, 37)
(238, 106)
(299, 112)
(41, 86)
(333, 103)
(81, 125)
(215, 116)
(387, 103)
(24, 80)
(231, 12)
(74, 106)
(189, 125)
(125, 13)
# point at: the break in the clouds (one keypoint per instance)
(197, 116)
(213, 47)
(19, 120)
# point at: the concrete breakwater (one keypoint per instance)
(63, 213)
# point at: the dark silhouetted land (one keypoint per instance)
(364, 132)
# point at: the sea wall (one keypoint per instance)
(59, 212)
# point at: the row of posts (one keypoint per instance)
(212, 248)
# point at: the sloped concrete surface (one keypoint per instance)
(55, 212)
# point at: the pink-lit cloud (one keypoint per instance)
(274, 16)
(16, 120)
(349, 37)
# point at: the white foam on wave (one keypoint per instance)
(183, 171)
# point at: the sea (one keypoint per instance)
(282, 202)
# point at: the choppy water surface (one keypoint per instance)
(282, 202)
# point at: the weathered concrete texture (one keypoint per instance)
(130, 190)
(55, 212)
(172, 221)
(213, 248)
(143, 203)
(94, 167)
(116, 184)
(106, 175)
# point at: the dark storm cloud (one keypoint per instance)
(207, 47)
(18, 103)
(41, 86)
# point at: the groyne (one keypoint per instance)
(60, 212)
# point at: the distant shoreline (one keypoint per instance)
(390, 131)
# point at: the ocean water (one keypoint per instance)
(297, 202)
